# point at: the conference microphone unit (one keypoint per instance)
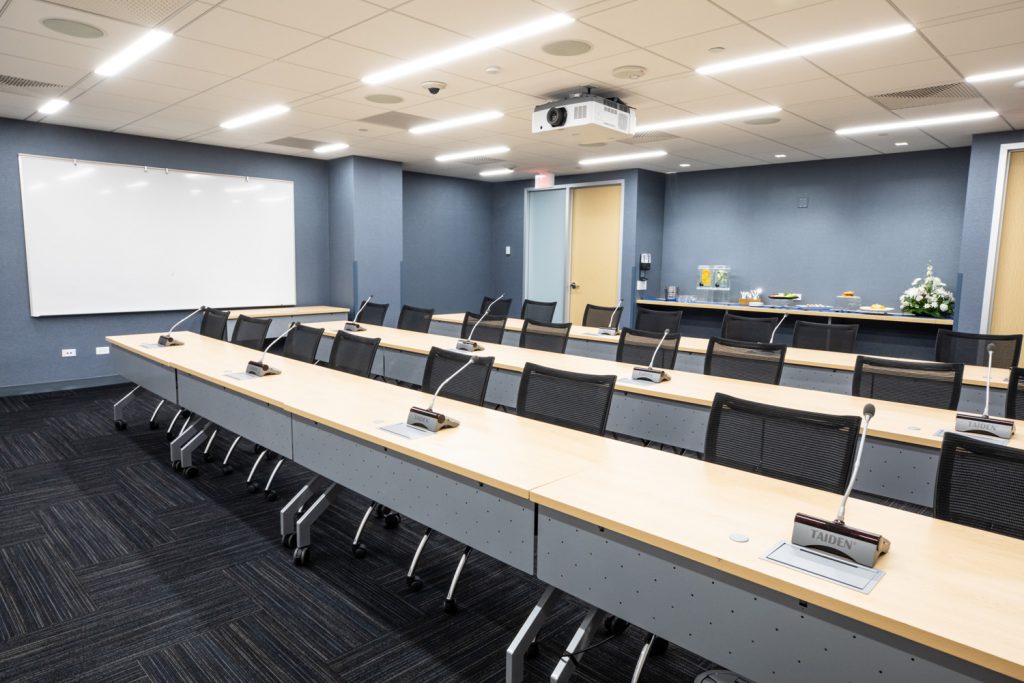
(611, 329)
(427, 418)
(261, 369)
(651, 373)
(167, 339)
(985, 423)
(468, 344)
(857, 545)
(771, 340)
(353, 325)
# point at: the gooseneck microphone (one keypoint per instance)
(261, 369)
(869, 412)
(782, 320)
(611, 328)
(427, 418)
(651, 373)
(986, 424)
(353, 325)
(468, 344)
(167, 339)
(991, 348)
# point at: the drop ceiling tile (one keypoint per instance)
(682, 89)
(322, 17)
(604, 45)
(901, 50)
(347, 60)
(187, 15)
(50, 50)
(242, 32)
(920, 11)
(129, 87)
(842, 112)
(41, 71)
(553, 84)
(342, 109)
(162, 73)
(646, 22)
(980, 33)
(694, 51)
(245, 95)
(580, 7)
(994, 59)
(99, 117)
(497, 98)
(754, 9)
(829, 20)
(123, 103)
(472, 17)
(296, 77)
(197, 54)
(27, 15)
(359, 95)
(885, 143)
(902, 77)
(454, 85)
(169, 126)
(17, 106)
(783, 73)
(513, 67)
(805, 91)
(399, 36)
(788, 126)
(149, 132)
(827, 144)
(601, 69)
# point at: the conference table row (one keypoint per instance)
(672, 544)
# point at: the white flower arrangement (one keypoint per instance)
(928, 296)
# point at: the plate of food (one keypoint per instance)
(785, 296)
(813, 307)
(877, 308)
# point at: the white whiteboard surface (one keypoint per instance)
(110, 238)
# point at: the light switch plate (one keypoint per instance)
(68, 353)
(102, 350)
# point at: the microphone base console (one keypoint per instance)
(467, 345)
(168, 340)
(654, 375)
(260, 369)
(834, 537)
(984, 424)
(429, 420)
(354, 327)
(608, 331)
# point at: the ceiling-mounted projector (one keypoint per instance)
(586, 117)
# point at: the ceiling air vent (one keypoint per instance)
(650, 136)
(396, 119)
(27, 86)
(297, 143)
(922, 97)
(139, 12)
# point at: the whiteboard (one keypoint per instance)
(112, 238)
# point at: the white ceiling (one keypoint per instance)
(232, 56)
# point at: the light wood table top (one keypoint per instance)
(284, 311)
(950, 587)
(892, 317)
(828, 360)
(894, 421)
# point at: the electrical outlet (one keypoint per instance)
(102, 350)
(508, 250)
(68, 353)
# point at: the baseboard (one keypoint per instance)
(61, 385)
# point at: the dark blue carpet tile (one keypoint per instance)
(20, 449)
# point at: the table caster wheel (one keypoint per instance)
(253, 486)
(659, 646)
(301, 556)
(392, 520)
(120, 425)
(270, 495)
(288, 540)
(176, 466)
(450, 606)
(359, 551)
(190, 472)
(153, 424)
(532, 650)
(613, 624)
(415, 583)
(226, 470)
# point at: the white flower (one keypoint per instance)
(943, 307)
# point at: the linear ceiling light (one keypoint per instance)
(331, 147)
(996, 75)
(149, 41)
(808, 49)
(918, 123)
(456, 123)
(255, 116)
(622, 157)
(472, 153)
(709, 118)
(52, 106)
(495, 40)
(497, 171)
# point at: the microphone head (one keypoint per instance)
(869, 410)
(991, 348)
(666, 331)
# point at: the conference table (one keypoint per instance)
(805, 368)
(283, 316)
(673, 545)
(900, 456)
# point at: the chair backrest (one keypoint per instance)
(302, 343)
(653, 320)
(637, 346)
(470, 386)
(353, 353)
(748, 328)
(980, 484)
(541, 311)
(601, 316)
(372, 314)
(491, 329)
(250, 332)
(415, 319)
(214, 324)
(744, 360)
(936, 385)
(544, 336)
(501, 307)
(971, 349)
(825, 336)
(566, 399)
(1015, 395)
(807, 448)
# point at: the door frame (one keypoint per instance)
(998, 206)
(568, 187)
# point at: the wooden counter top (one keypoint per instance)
(893, 317)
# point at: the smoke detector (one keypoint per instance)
(629, 71)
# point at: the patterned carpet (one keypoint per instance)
(115, 568)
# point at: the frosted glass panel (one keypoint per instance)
(546, 237)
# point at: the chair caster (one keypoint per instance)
(450, 606)
(659, 646)
(153, 424)
(190, 472)
(253, 486)
(170, 437)
(176, 466)
(359, 551)
(288, 540)
(392, 520)
(226, 469)
(208, 457)
(414, 583)
(120, 425)
(379, 511)
(532, 650)
(301, 556)
(270, 495)
(613, 624)
(255, 448)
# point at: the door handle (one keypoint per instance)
(573, 285)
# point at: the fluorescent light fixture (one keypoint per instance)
(807, 49)
(996, 75)
(900, 144)
(149, 41)
(106, 191)
(244, 188)
(919, 123)
(38, 186)
(497, 171)
(623, 157)
(473, 47)
(780, 156)
(456, 122)
(52, 106)
(331, 147)
(684, 165)
(471, 153)
(709, 118)
(77, 174)
(139, 183)
(255, 116)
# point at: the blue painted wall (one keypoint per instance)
(31, 346)
(650, 227)
(872, 224)
(508, 203)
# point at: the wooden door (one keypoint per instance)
(1007, 309)
(596, 229)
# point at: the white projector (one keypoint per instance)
(591, 118)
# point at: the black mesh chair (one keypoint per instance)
(302, 343)
(214, 324)
(501, 307)
(936, 385)
(250, 332)
(540, 311)
(544, 336)
(807, 448)
(491, 329)
(372, 314)
(825, 336)
(566, 399)
(1015, 395)
(637, 346)
(353, 353)
(971, 349)
(980, 484)
(601, 316)
(744, 360)
(654, 320)
(748, 328)
(415, 319)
